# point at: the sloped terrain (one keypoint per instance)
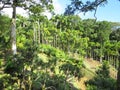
(91, 67)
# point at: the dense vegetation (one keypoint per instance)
(44, 47)
(43, 60)
(102, 81)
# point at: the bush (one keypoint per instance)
(102, 81)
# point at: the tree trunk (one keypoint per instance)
(13, 31)
(118, 77)
(117, 63)
(38, 32)
(101, 55)
(118, 74)
(34, 34)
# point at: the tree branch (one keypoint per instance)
(95, 14)
(79, 6)
(1, 8)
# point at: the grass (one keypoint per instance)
(89, 72)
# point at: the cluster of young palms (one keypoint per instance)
(90, 39)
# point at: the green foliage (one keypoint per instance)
(103, 71)
(115, 35)
(102, 81)
(4, 31)
(73, 67)
(91, 87)
(53, 63)
(42, 62)
(14, 66)
(47, 49)
(40, 68)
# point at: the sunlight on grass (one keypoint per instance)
(43, 57)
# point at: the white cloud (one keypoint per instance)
(9, 11)
(57, 7)
(21, 11)
(86, 15)
(48, 14)
(81, 15)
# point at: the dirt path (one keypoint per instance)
(81, 83)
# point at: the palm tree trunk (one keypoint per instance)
(38, 32)
(13, 31)
(118, 74)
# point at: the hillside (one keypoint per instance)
(89, 71)
(91, 67)
(47, 59)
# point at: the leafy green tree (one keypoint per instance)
(118, 74)
(89, 32)
(115, 35)
(4, 48)
(102, 81)
(4, 31)
(103, 32)
(32, 6)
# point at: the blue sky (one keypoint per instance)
(109, 12)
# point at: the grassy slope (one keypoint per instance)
(91, 67)
(89, 71)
